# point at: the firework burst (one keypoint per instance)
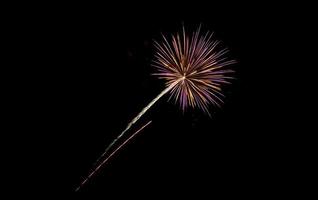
(195, 67)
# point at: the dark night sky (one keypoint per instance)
(92, 76)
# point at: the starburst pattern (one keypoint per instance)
(196, 66)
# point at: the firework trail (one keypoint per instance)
(137, 117)
(111, 155)
(193, 67)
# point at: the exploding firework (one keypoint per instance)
(193, 67)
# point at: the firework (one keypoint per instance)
(194, 68)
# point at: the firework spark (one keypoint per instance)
(195, 64)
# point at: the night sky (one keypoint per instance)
(93, 75)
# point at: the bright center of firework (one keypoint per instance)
(183, 77)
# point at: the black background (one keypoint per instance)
(89, 74)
